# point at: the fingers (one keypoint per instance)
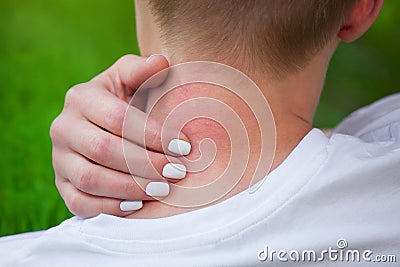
(129, 72)
(100, 107)
(100, 181)
(132, 71)
(108, 150)
(111, 113)
(87, 206)
(89, 189)
(88, 151)
(150, 134)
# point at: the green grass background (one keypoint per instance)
(47, 46)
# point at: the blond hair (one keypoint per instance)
(280, 36)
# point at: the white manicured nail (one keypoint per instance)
(151, 57)
(157, 189)
(179, 147)
(128, 205)
(174, 170)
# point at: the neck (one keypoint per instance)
(293, 102)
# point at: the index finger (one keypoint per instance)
(103, 109)
(129, 72)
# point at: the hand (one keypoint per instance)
(90, 170)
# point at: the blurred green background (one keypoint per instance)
(48, 46)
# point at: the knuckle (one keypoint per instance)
(74, 94)
(115, 119)
(85, 178)
(104, 206)
(108, 206)
(153, 135)
(130, 188)
(152, 169)
(126, 58)
(55, 128)
(99, 146)
(74, 204)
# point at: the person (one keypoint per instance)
(327, 200)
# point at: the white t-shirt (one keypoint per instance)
(331, 194)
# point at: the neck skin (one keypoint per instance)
(293, 102)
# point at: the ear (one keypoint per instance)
(360, 19)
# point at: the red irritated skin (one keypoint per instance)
(210, 140)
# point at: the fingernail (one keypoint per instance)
(128, 205)
(179, 147)
(157, 189)
(151, 57)
(174, 170)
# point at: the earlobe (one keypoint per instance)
(360, 19)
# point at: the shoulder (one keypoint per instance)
(379, 121)
(27, 248)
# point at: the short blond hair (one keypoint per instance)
(280, 36)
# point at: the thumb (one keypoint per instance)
(129, 72)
